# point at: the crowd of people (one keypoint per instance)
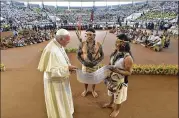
(150, 39)
(24, 38)
(21, 15)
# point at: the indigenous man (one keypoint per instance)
(56, 66)
(3, 44)
(150, 38)
(90, 53)
(117, 82)
(7, 43)
(166, 36)
(155, 42)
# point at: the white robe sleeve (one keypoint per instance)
(54, 64)
(62, 72)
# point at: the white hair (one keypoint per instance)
(61, 33)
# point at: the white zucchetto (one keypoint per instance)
(62, 32)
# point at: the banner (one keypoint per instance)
(79, 20)
(92, 16)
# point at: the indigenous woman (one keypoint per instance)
(117, 81)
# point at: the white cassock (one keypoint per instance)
(54, 63)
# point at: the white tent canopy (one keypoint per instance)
(174, 20)
(83, 0)
(2, 18)
(54, 18)
(133, 16)
(82, 3)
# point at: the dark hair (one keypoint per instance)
(123, 37)
(123, 49)
(90, 30)
(126, 48)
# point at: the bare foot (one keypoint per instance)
(94, 94)
(107, 105)
(84, 93)
(114, 113)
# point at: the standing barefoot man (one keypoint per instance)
(90, 53)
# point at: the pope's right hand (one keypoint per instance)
(72, 68)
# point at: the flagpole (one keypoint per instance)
(68, 5)
(104, 36)
(106, 15)
(93, 12)
(78, 27)
(133, 9)
(56, 16)
(80, 18)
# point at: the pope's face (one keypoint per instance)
(65, 41)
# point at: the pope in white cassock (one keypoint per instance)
(56, 66)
